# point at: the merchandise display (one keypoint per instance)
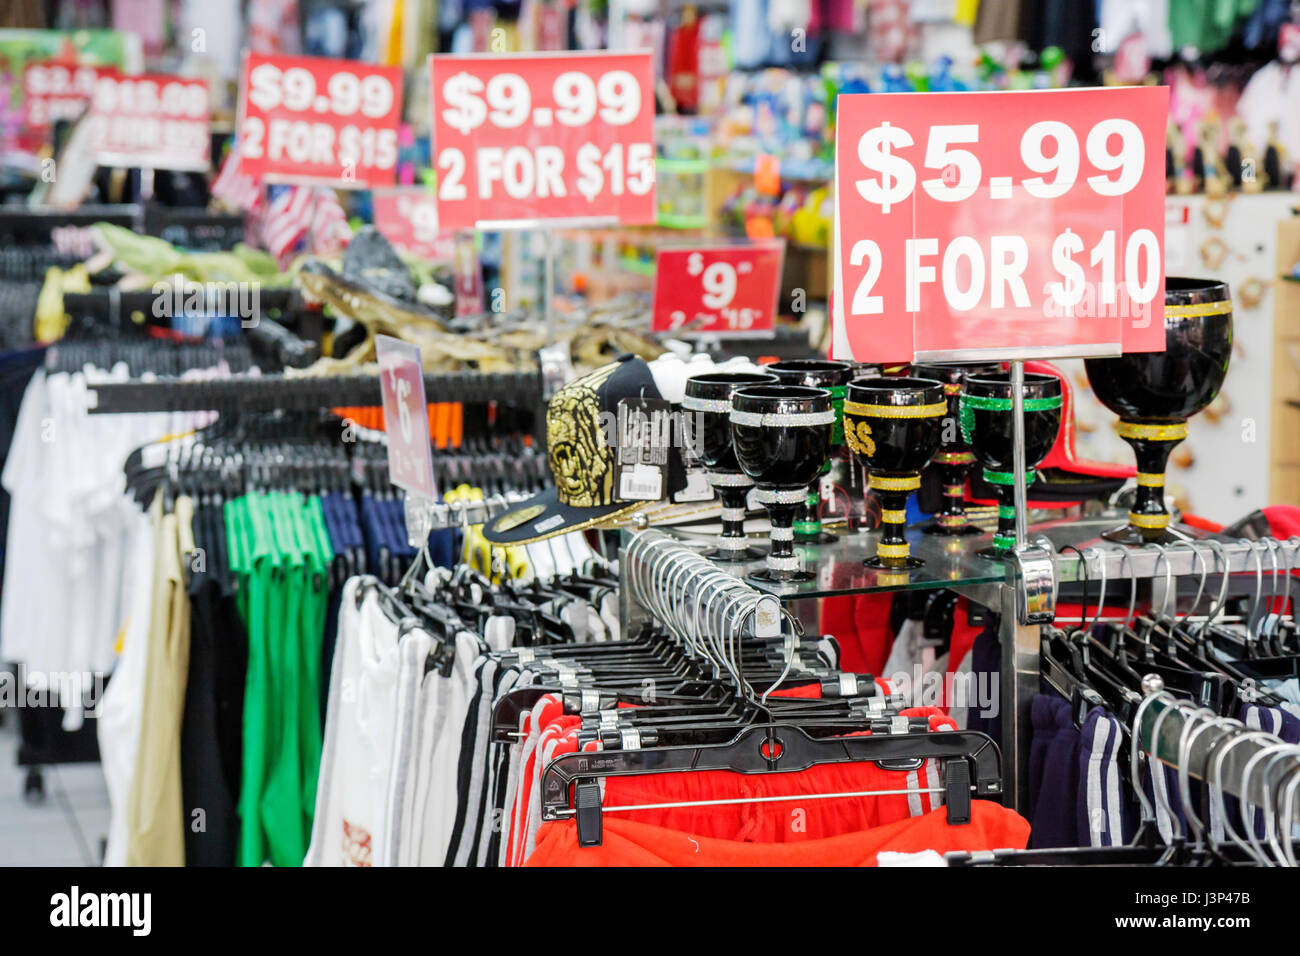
(583, 434)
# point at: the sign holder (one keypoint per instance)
(547, 227)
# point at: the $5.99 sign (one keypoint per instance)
(58, 91)
(317, 119)
(151, 121)
(1015, 224)
(727, 288)
(545, 136)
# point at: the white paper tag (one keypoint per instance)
(641, 483)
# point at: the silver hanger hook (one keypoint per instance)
(1158, 786)
(1214, 776)
(1245, 805)
(1125, 561)
(1259, 587)
(1162, 555)
(1101, 594)
(1188, 736)
(1271, 822)
(1286, 812)
(1200, 589)
(1155, 693)
(1221, 564)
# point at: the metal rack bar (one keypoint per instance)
(268, 392)
(1182, 558)
(450, 514)
(1205, 745)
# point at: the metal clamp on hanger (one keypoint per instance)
(1035, 571)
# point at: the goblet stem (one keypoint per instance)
(893, 550)
(808, 524)
(733, 537)
(952, 472)
(782, 505)
(1152, 445)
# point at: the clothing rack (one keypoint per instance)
(1169, 718)
(278, 392)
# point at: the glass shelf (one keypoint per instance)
(949, 562)
(838, 569)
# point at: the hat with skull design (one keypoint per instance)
(583, 450)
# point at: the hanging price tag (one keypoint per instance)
(406, 416)
(408, 217)
(151, 121)
(729, 288)
(58, 91)
(977, 226)
(554, 136)
(314, 119)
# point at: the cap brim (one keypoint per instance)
(545, 516)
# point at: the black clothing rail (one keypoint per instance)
(270, 392)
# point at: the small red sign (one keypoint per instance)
(312, 119)
(999, 225)
(544, 137)
(408, 217)
(725, 289)
(152, 121)
(406, 416)
(58, 91)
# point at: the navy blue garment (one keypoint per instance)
(376, 541)
(986, 658)
(1105, 813)
(1054, 822)
(1042, 731)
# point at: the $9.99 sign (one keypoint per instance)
(316, 119)
(727, 288)
(1015, 224)
(544, 136)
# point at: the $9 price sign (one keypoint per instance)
(408, 217)
(1019, 224)
(317, 119)
(726, 289)
(565, 136)
(151, 121)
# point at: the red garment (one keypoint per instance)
(629, 843)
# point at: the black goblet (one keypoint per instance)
(988, 426)
(893, 426)
(782, 436)
(708, 399)
(834, 377)
(954, 456)
(1154, 393)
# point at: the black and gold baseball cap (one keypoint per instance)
(583, 459)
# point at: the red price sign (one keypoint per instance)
(999, 225)
(152, 121)
(544, 136)
(319, 120)
(58, 91)
(406, 416)
(409, 218)
(726, 289)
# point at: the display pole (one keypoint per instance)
(550, 286)
(1018, 452)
